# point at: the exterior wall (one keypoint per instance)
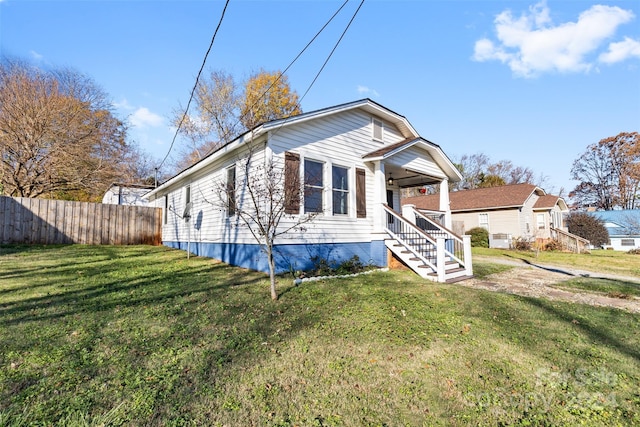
(339, 140)
(616, 243)
(505, 221)
(125, 196)
(288, 257)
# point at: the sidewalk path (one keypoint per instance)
(536, 280)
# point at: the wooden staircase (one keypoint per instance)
(429, 249)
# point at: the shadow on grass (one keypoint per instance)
(597, 334)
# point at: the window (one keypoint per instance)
(231, 191)
(540, 221)
(340, 181)
(377, 129)
(627, 242)
(483, 220)
(313, 186)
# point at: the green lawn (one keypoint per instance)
(600, 260)
(142, 336)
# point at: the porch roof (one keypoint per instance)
(434, 150)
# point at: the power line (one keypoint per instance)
(325, 62)
(282, 73)
(195, 86)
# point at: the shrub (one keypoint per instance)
(634, 251)
(522, 244)
(588, 227)
(479, 237)
(552, 245)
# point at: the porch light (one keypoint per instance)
(390, 180)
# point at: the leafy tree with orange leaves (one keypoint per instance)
(223, 109)
(609, 173)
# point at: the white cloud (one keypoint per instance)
(123, 105)
(35, 55)
(620, 51)
(532, 44)
(363, 90)
(142, 117)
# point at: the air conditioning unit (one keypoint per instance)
(500, 241)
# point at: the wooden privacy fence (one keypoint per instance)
(42, 221)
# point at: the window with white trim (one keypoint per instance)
(313, 186)
(540, 221)
(627, 242)
(483, 220)
(340, 184)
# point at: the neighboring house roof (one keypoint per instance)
(367, 105)
(548, 201)
(502, 197)
(620, 223)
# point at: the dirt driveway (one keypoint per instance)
(535, 280)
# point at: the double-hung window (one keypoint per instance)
(340, 181)
(483, 220)
(313, 186)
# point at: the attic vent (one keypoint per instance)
(377, 130)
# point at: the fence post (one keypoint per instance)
(468, 263)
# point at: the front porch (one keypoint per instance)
(423, 243)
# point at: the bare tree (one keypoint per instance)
(609, 173)
(58, 137)
(264, 197)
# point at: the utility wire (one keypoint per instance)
(195, 86)
(282, 73)
(325, 62)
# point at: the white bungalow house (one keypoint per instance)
(351, 160)
(126, 194)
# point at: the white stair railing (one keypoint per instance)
(458, 248)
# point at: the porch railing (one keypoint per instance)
(432, 242)
(455, 244)
(569, 241)
(412, 237)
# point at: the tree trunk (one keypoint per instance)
(272, 273)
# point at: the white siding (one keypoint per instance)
(415, 159)
(339, 140)
(500, 221)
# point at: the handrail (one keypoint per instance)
(571, 235)
(457, 246)
(406, 228)
(568, 239)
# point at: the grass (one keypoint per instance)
(609, 287)
(142, 336)
(597, 260)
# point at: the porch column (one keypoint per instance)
(444, 202)
(379, 196)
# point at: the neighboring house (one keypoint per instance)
(126, 194)
(623, 227)
(353, 159)
(507, 212)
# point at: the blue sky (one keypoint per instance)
(533, 82)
